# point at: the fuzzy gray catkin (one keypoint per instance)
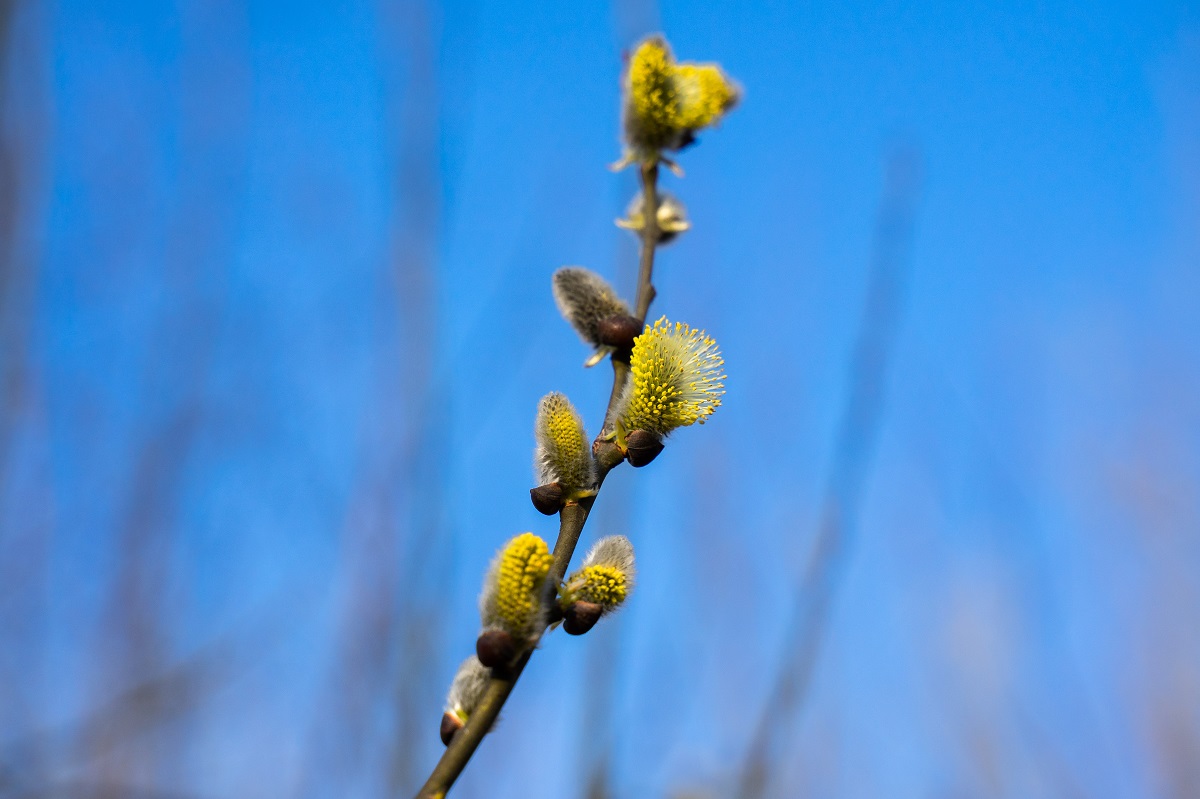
(585, 300)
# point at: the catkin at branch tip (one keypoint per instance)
(667, 102)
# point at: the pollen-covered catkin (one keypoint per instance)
(653, 107)
(666, 102)
(704, 94)
(606, 576)
(585, 300)
(511, 597)
(563, 452)
(676, 379)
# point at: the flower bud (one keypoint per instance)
(641, 447)
(584, 299)
(667, 102)
(675, 380)
(470, 682)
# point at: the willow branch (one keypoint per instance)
(650, 234)
(571, 520)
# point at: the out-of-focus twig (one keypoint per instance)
(418, 621)
(163, 697)
(847, 473)
(368, 734)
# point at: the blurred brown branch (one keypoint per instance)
(29, 763)
(847, 474)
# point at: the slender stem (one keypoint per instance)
(571, 520)
(650, 234)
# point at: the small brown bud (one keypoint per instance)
(495, 648)
(618, 331)
(641, 447)
(581, 617)
(450, 725)
(548, 499)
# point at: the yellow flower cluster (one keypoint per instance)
(668, 102)
(676, 379)
(704, 94)
(604, 585)
(523, 567)
(564, 454)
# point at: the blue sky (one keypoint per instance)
(286, 317)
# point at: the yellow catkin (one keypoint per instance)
(676, 379)
(652, 93)
(669, 101)
(564, 453)
(704, 95)
(523, 568)
(604, 585)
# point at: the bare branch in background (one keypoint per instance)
(26, 503)
(848, 470)
(13, 279)
(23, 133)
(371, 727)
(135, 638)
(416, 189)
(28, 765)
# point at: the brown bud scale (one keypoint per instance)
(641, 447)
(618, 331)
(581, 617)
(495, 648)
(548, 499)
(450, 725)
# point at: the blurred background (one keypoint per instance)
(275, 315)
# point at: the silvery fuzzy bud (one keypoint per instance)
(466, 690)
(585, 299)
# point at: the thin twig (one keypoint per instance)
(571, 520)
(646, 291)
